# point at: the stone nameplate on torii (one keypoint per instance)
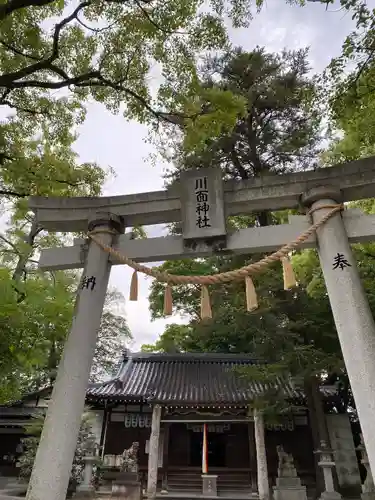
(202, 205)
(317, 191)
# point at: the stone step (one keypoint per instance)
(222, 474)
(224, 482)
(184, 495)
(182, 485)
(182, 488)
(224, 479)
(198, 486)
(229, 477)
(178, 484)
(199, 480)
(8, 497)
(14, 490)
(234, 485)
(182, 479)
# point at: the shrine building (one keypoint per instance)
(198, 409)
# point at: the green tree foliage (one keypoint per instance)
(104, 50)
(56, 56)
(348, 85)
(352, 116)
(174, 339)
(358, 47)
(37, 309)
(357, 56)
(32, 332)
(277, 129)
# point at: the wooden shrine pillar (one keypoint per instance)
(153, 454)
(165, 452)
(252, 457)
(262, 468)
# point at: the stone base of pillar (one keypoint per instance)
(289, 493)
(330, 495)
(85, 492)
(288, 486)
(209, 485)
(368, 495)
(127, 485)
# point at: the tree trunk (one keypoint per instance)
(20, 269)
(319, 410)
(52, 363)
(22, 260)
(263, 219)
(322, 422)
(315, 425)
(261, 453)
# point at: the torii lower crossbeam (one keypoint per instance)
(359, 227)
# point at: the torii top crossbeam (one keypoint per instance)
(355, 180)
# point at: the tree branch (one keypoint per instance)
(13, 5)
(12, 245)
(12, 193)
(104, 82)
(17, 51)
(151, 21)
(5, 102)
(96, 79)
(19, 79)
(237, 164)
(59, 26)
(22, 261)
(9, 78)
(3, 157)
(77, 80)
(96, 30)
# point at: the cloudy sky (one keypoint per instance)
(112, 141)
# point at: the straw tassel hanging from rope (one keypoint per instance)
(133, 295)
(206, 312)
(288, 274)
(251, 295)
(168, 301)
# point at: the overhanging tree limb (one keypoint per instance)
(91, 79)
(7, 79)
(13, 5)
(5, 192)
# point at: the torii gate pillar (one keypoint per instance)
(354, 322)
(51, 472)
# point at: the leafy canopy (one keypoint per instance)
(269, 124)
(105, 49)
(33, 332)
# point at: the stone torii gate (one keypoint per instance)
(313, 189)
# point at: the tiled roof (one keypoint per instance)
(185, 379)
